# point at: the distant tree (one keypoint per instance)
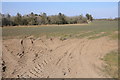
(80, 19)
(89, 17)
(32, 19)
(24, 20)
(18, 19)
(44, 18)
(74, 20)
(36, 14)
(53, 19)
(48, 20)
(61, 19)
(35, 19)
(32, 14)
(39, 20)
(4, 21)
(8, 17)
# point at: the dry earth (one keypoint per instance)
(53, 58)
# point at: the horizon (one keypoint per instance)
(98, 10)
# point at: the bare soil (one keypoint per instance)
(53, 58)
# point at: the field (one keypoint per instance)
(61, 51)
(95, 27)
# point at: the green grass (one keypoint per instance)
(59, 31)
(95, 36)
(114, 36)
(110, 34)
(111, 60)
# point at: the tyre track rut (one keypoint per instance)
(53, 58)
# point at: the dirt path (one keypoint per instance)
(53, 58)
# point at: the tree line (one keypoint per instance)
(43, 19)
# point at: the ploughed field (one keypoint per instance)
(63, 51)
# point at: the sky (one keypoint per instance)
(96, 9)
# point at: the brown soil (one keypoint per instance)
(53, 58)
